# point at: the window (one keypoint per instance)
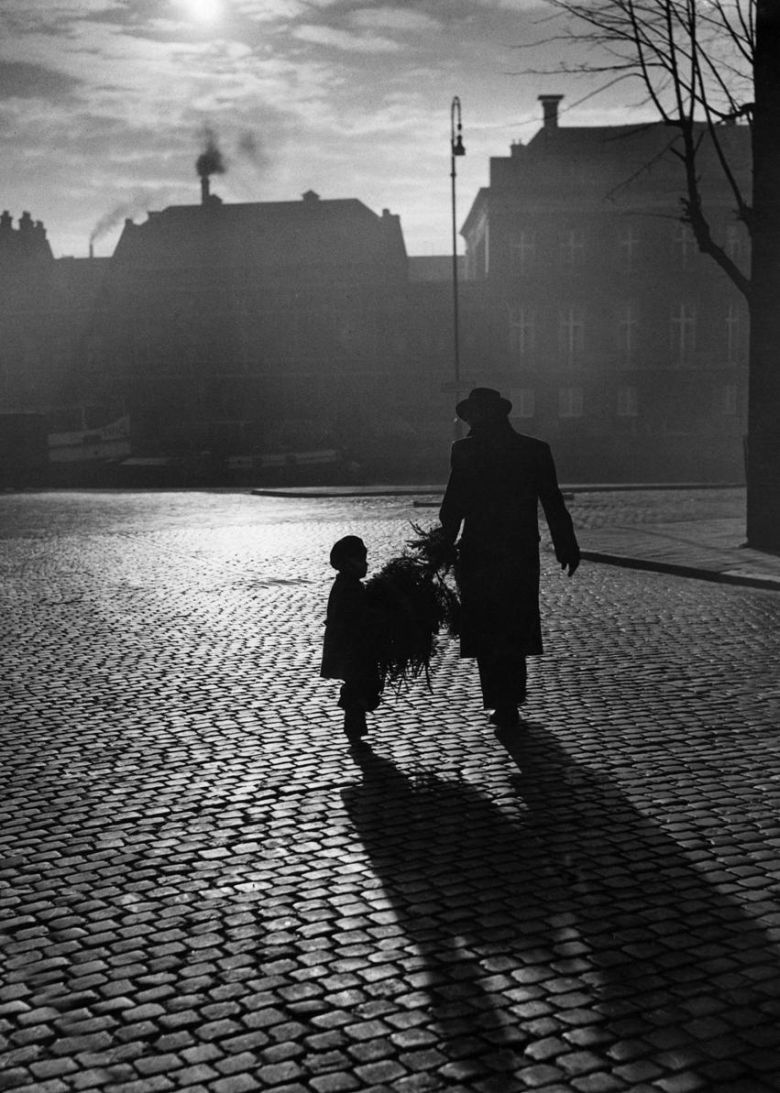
(627, 402)
(682, 335)
(571, 334)
(522, 252)
(523, 402)
(570, 402)
(572, 249)
(627, 324)
(685, 245)
(522, 331)
(734, 339)
(628, 244)
(736, 242)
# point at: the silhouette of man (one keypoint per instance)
(497, 478)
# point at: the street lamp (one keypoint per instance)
(456, 149)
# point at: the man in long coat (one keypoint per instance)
(497, 479)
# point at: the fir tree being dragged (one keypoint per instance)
(410, 602)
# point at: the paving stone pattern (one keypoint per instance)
(202, 888)
(643, 507)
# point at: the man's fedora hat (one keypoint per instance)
(484, 401)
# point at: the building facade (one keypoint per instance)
(258, 327)
(46, 307)
(258, 332)
(613, 336)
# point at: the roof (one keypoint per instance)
(23, 244)
(273, 233)
(627, 142)
(619, 161)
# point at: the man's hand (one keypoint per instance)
(568, 559)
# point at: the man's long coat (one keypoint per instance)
(497, 479)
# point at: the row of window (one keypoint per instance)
(573, 244)
(571, 401)
(571, 327)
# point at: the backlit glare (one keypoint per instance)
(204, 11)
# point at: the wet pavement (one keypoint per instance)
(202, 888)
(695, 531)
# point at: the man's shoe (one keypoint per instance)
(355, 726)
(505, 717)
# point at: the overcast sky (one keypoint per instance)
(105, 105)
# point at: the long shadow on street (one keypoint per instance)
(564, 931)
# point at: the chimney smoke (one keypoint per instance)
(126, 210)
(209, 162)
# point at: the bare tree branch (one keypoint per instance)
(694, 59)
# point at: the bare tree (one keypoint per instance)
(706, 66)
(763, 477)
(694, 61)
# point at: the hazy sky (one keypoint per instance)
(105, 105)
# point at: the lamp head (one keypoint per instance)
(457, 146)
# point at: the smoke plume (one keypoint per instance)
(249, 146)
(210, 161)
(133, 206)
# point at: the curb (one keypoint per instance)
(321, 493)
(767, 583)
(417, 491)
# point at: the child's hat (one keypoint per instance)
(346, 548)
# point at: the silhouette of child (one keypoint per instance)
(348, 648)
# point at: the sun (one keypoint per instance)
(205, 11)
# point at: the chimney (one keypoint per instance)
(204, 189)
(550, 108)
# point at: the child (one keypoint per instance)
(348, 652)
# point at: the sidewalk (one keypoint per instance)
(689, 531)
(711, 550)
(695, 532)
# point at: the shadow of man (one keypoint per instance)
(562, 931)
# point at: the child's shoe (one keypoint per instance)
(355, 725)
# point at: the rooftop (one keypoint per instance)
(311, 231)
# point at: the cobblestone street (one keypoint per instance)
(202, 888)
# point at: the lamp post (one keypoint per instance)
(456, 149)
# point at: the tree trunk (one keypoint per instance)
(763, 450)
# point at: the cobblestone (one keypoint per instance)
(204, 890)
